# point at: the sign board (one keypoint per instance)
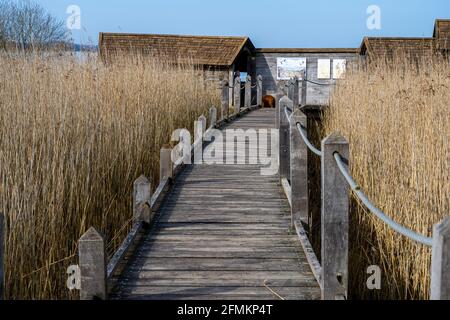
(339, 68)
(288, 68)
(323, 68)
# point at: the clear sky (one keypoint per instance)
(269, 23)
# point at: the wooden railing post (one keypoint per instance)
(2, 255)
(202, 120)
(248, 91)
(284, 170)
(225, 100)
(334, 219)
(92, 263)
(259, 93)
(237, 94)
(295, 91)
(304, 89)
(280, 94)
(165, 163)
(299, 169)
(440, 261)
(213, 117)
(142, 195)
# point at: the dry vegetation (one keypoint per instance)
(398, 128)
(73, 138)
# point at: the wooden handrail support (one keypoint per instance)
(248, 92)
(440, 261)
(334, 220)
(284, 155)
(2, 255)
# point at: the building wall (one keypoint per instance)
(266, 66)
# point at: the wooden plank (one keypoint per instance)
(191, 237)
(168, 292)
(220, 226)
(146, 279)
(192, 245)
(161, 247)
(215, 264)
(225, 275)
(214, 253)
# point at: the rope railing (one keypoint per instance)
(364, 199)
(321, 84)
(307, 142)
(288, 113)
(381, 215)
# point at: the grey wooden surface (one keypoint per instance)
(266, 66)
(222, 233)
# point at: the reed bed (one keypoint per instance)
(396, 117)
(73, 138)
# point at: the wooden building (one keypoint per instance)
(320, 66)
(441, 34)
(415, 49)
(218, 57)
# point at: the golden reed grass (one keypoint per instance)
(396, 117)
(73, 138)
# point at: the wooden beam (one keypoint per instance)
(92, 262)
(299, 169)
(334, 220)
(440, 262)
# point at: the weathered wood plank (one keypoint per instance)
(169, 292)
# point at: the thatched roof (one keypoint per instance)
(199, 50)
(391, 47)
(414, 47)
(442, 33)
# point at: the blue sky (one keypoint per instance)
(269, 23)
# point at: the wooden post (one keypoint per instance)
(440, 261)
(295, 91)
(2, 255)
(199, 133)
(334, 219)
(284, 170)
(202, 120)
(92, 263)
(142, 195)
(304, 89)
(225, 100)
(278, 97)
(237, 94)
(259, 93)
(165, 163)
(248, 91)
(289, 88)
(299, 170)
(213, 117)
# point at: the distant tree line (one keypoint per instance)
(26, 25)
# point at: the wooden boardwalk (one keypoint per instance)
(221, 233)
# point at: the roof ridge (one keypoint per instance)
(174, 35)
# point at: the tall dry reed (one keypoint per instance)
(396, 117)
(73, 138)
